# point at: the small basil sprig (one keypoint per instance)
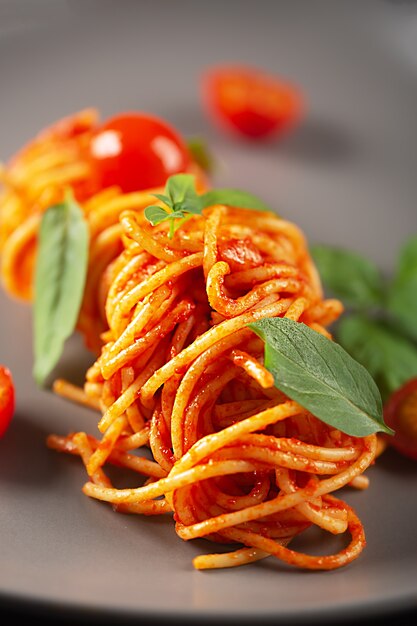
(182, 201)
(320, 375)
(60, 275)
(379, 327)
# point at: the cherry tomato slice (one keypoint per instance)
(400, 413)
(136, 151)
(7, 399)
(249, 102)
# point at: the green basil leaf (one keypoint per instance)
(181, 187)
(349, 276)
(193, 206)
(60, 274)
(156, 214)
(407, 258)
(402, 293)
(388, 356)
(165, 199)
(320, 375)
(233, 198)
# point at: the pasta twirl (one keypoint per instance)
(181, 375)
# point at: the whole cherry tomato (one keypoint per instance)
(400, 413)
(136, 151)
(250, 102)
(7, 399)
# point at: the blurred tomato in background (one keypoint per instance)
(249, 102)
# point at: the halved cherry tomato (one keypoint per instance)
(250, 102)
(400, 413)
(136, 151)
(7, 399)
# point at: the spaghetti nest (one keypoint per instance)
(181, 376)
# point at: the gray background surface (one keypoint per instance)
(347, 176)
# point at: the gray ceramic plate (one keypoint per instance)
(347, 177)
